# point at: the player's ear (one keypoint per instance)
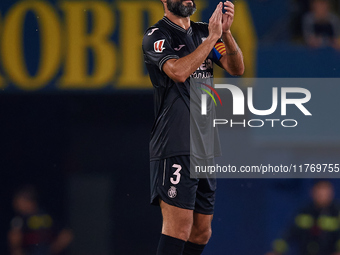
(164, 4)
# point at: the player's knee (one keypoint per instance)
(205, 236)
(184, 234)
(201, 235)
(183, 228)
(180, 231)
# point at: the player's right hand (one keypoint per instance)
(215, 22)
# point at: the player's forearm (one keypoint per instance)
(232, 61)
(179, 70)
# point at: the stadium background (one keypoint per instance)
(76, 111)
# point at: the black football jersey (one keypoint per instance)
(170, 135)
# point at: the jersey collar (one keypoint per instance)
(170, 23)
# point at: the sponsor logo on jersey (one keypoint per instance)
(172, 192)
(153, 30)
(158, 46)
(179, 47)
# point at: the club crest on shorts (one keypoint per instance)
(172, 192)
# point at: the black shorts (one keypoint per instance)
(171, 182)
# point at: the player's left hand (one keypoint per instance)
(228, 17)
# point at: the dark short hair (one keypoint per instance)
(28, 192)
(318, 182)
(314, 1)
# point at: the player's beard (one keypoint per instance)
(179, 9)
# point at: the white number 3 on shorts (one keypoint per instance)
(178, 175)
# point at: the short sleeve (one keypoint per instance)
(157, 47)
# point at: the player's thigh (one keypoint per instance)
(176, 220)
(202, 222)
